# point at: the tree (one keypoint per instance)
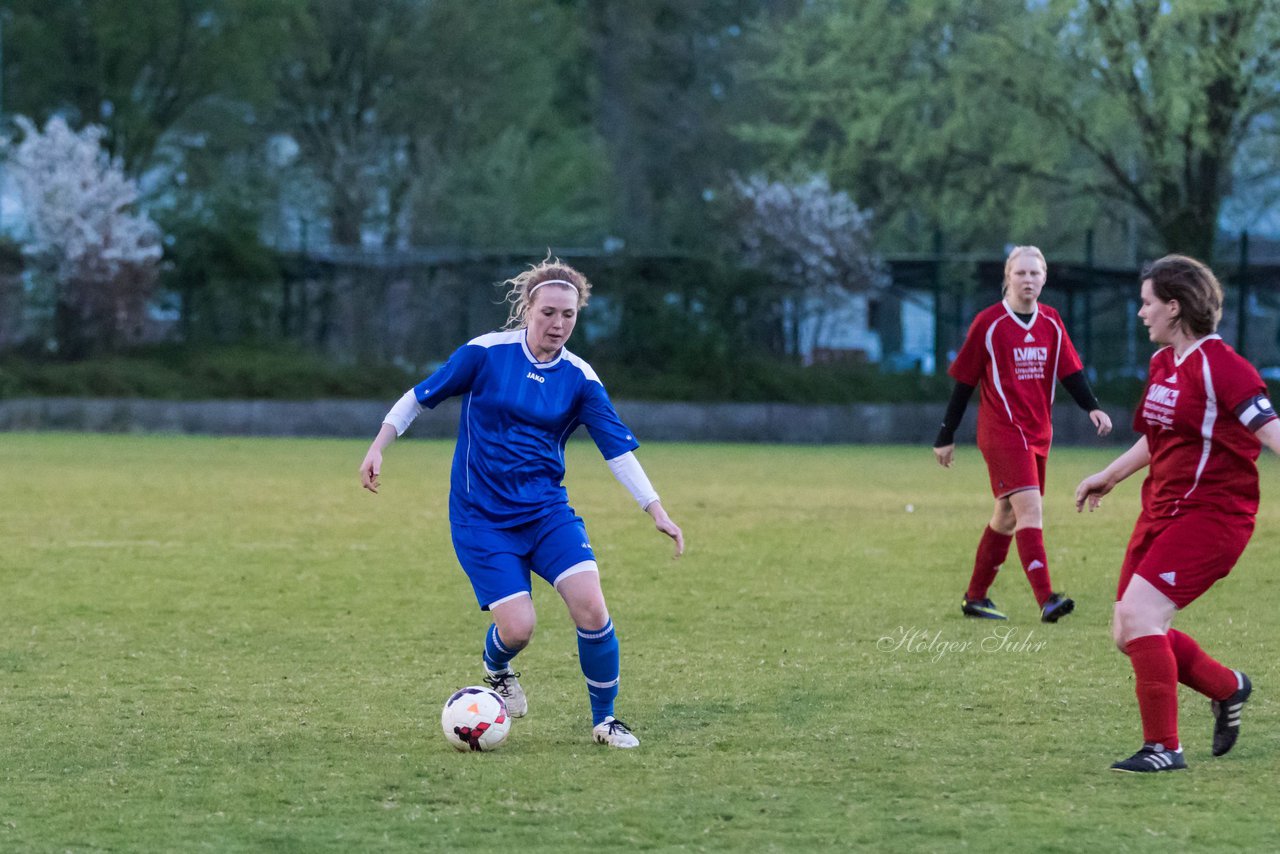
(438, 122)
(867, 94)
(1024, 116)
(343, 65)
(662, 76)
(505, 148)
(815, 242)
(101, 258)
(138, 68)
(1167, 95)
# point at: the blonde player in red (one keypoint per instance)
(1017, 350)
(1203, 420)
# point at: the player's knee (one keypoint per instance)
(1003, 521)
(1026, 510)
(1030, 518)
(1121, 624)
(1131, 622)
(592, 617)
(1118, 638)
(520, 636)
(516, 632)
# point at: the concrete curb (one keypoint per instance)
(880, 423)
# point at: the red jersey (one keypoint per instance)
(1018, 365)
(1194, 415)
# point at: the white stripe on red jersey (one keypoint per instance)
(1018, 365)
(1202, 456)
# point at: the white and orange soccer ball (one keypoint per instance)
(475, 719)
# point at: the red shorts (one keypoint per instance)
(1182, 556)
(1013, 470)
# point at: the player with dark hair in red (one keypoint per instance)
(1203, 420)
(1017, 350)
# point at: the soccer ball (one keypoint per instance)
(475, 719)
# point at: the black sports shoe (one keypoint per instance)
(1226, 717)
(1056, 607)
(983, 609)
(1152, 757)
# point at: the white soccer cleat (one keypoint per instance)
(614, 733)
(507, 686)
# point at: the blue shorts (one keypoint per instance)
(500, 561)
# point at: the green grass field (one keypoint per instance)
(226, 645)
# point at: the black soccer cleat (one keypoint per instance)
(1056, 607)
(1152, 758)
(983, 609)
(1226, 717)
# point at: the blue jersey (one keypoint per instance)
(517, 415)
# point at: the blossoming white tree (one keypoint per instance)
(100, 258)
(814, 240)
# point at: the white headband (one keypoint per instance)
(552, 282)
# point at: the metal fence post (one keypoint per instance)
(939, 351)
(1242, 322)
(1088, 297)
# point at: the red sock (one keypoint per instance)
(1155, 673)
(993, 548)
(1035, 563)
(1198, 671)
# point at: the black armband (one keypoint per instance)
(955, 414)
(1080, 392)
(1255, 412)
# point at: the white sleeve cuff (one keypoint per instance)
(402, 414)
(627, 470)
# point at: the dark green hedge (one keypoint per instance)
(178, 373)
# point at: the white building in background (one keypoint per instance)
(12, 222)
(918, 331)
(837, 329)
(850, 327)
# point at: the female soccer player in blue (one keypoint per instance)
(523, 394)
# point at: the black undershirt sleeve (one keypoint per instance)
(1078, 386)
(955, 413)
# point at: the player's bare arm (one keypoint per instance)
(663, 523)
(371, 467)
(1093, 487)
(1269, 435)
(1101, 420)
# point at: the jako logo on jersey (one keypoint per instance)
(1163, 396)
(1031, 354)
(532, 376)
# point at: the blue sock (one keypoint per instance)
(598, 655)
(497, 655)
